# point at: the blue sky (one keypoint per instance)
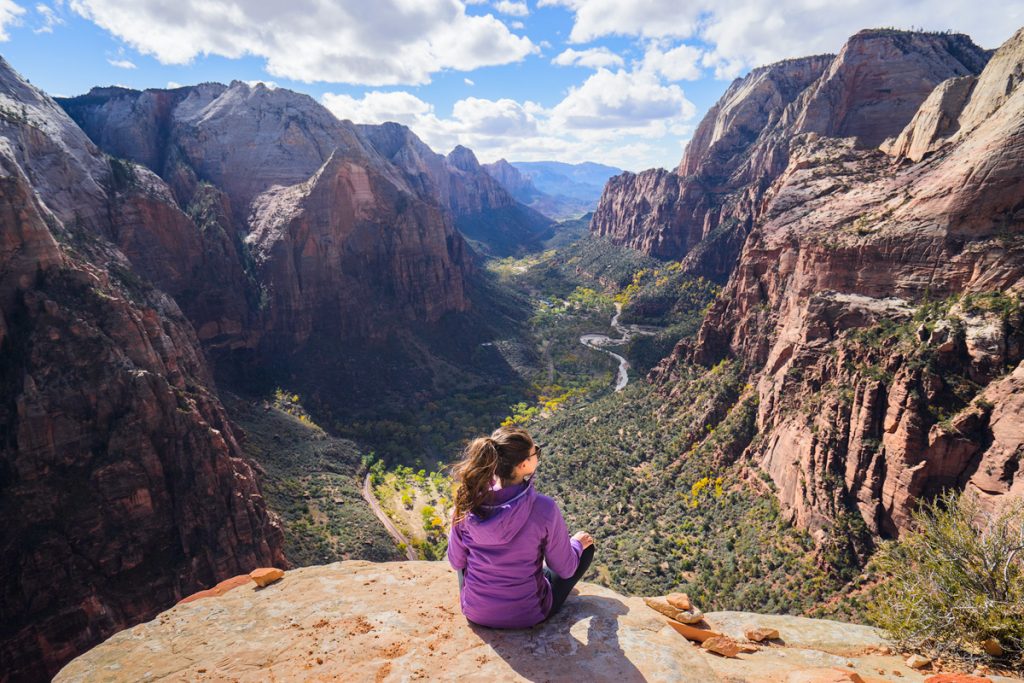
(611, 81)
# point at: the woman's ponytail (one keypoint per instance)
(484, 459)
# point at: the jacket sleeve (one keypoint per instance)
(457, 551)
(561, 553)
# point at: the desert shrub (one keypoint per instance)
(956, 580)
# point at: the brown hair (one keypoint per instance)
(483, 459)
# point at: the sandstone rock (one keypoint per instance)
(679, 601)
(956, 678)
(126, 480)
(722, 645)
(824, 675)
(387, 621)
(918, 661)
(759, 634)
(220, 589)
(686, 616)
(264, 576)
(691, 632)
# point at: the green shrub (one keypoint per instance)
(956, 580)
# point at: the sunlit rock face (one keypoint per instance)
(849, 238)
(702, 211)
(122, 483)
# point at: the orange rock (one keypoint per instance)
(679, 600)
(824, 675)
(759, 634)
(956, 678)
(687, 616)
(220, 589)
(692, 632)
(264, 576)
(722, 645)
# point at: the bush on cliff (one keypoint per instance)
(957, 581)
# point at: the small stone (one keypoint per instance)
(747, 647)
(659, 604)
(722, 645)
(692, 632)
(679, 601)
(759, 634)
(264, 576)
(885, 650)
(918, 661)
(992, 647)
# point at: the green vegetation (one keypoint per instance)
(660, 486)
(418, 503)
(955, 581)
(312, 481)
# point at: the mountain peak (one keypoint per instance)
(463, 159)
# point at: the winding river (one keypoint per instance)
(600, 341)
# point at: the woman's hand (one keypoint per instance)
(585, 539)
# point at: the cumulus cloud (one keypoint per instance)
(381, 43)
(593, 58)
(121, 63)
(627, 118)
(681, 63)
(623, 99)
(745, 33)
(10, 14)
(513, 8)
(469, 81)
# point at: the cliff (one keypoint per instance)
(122, 483)
(876, 303)
(703, 210)
(482, 209)
(399, 621)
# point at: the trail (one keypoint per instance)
(600, 341)
(385, 520)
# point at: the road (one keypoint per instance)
(371, 499)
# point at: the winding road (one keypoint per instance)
(385, 520)
(600, 341)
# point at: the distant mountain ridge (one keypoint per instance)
(556, 189)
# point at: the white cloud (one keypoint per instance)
(676, 64)
(171, 85)
(624, 118)
(512, 8)
(745, 33)
(9, 16)
(517, 25)
(121, 63)
(623, 99)
(350, 41)
(49, 17)
(593, 58)
(469, 81)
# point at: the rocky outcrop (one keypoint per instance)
(869, 92)
(348, 237)
(389, 621)
(242, 160)
(122, 483)
(869, 394)
(518, 185)
(481, 208)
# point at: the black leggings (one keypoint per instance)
(560, 588)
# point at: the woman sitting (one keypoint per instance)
(501, 531)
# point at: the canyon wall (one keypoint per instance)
(122, 483)
(876, 304)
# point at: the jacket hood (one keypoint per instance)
(503, 520)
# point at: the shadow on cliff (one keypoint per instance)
(556, 651)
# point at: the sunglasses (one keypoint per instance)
(537, 449)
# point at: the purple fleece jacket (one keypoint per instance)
(505, 585)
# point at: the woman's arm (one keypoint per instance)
(457, 551)
(561, 553)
